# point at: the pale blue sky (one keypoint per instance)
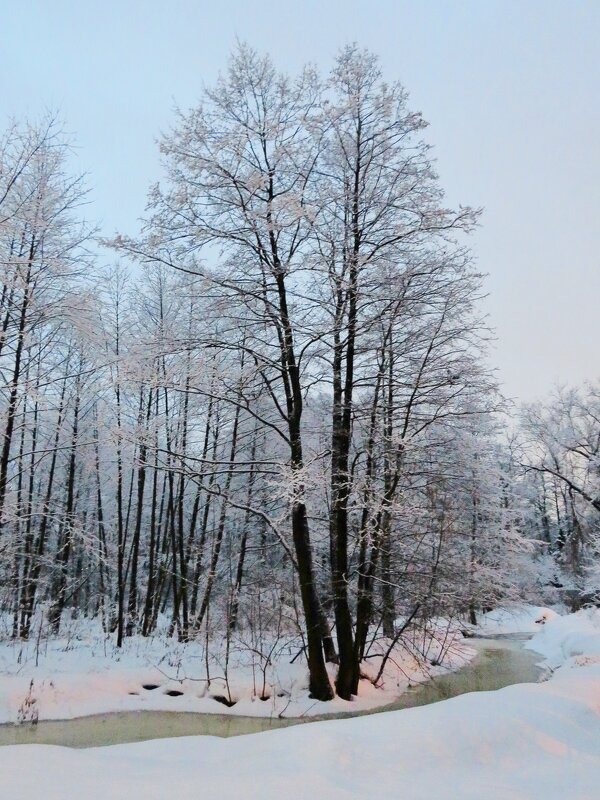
(511, 90)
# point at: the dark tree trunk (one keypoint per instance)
(66, 537)
(132, 605)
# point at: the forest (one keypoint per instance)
(270, 418)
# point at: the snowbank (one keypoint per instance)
(85, 674)
(572, 641)
(529, 742)
(516, 619)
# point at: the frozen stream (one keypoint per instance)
(500, 662)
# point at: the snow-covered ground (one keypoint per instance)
(86, 674)
(533, 741)
(514, 619)
(570, 642)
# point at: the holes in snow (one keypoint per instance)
(136, 693)
(264, 697)
(150, 686)
(220, 698)
(173, 693)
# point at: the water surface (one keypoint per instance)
(500, 662)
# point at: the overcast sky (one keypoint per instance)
(511, 90)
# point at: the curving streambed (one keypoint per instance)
(501, 661)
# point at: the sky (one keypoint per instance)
(511, 90)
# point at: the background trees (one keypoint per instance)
(283, 405)
(560, 443)
(312, 215)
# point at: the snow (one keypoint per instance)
(570, 641)
(527, 742)
(514, 619)
(85, 674)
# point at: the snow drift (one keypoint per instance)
(529, 741)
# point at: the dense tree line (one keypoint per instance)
(276, 398)
(559, 447)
